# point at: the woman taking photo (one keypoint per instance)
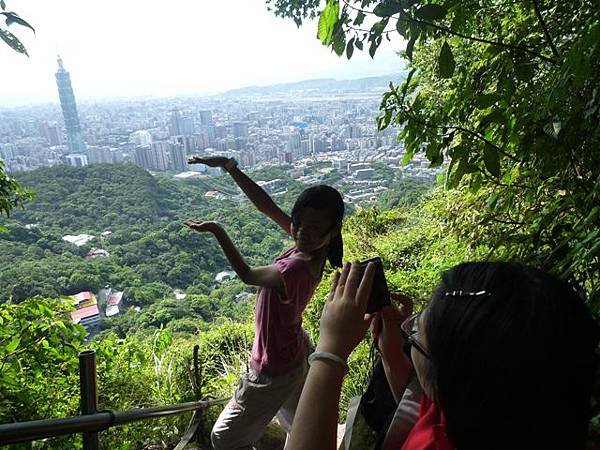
(505, 355)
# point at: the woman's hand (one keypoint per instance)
(343, 321)
(385, 326)
(203, 226)
(211, 161)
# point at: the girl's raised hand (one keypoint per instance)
(211, 161)
(343, 322)
(202, 226)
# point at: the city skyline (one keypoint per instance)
(135, 49)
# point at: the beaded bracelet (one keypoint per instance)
(329, 356)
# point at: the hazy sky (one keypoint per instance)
(160, 48)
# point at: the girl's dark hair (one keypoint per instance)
(329, 200)
(511, 368)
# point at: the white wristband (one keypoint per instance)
(329, 356)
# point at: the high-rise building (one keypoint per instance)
(69, 109)
(240, 129)
(189, 143)
(158, 157)
(178, 157)
(51, 132)
(100, 155)
(205, 117)
(180, 125)
(76, 160)
(142, 138)
(141, 157)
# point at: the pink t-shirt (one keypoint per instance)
(279, 341)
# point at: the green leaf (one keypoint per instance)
(359, 45)
(13, 41)
(384, 120)
(496, 116)
(406, 84)
(463, 168)
(525, 71)
(446, 61)
(339, 43)
(360, 17)
(486, 100)
(350, 48)
(411, 46)
(556, 126)
(13, 344)
(431, 12)
(402, 25)
(2, 4)
(374, 45)
(12, 17)
(379, 27)
(491, 160)
(327, 20)
(553, 128)
(387, 8)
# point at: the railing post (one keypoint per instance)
(89, 394)
(198, 390)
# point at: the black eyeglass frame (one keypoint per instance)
(410, 334)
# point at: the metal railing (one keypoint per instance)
(91, 421)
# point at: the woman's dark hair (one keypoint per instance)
(511, 368)
(330, 201)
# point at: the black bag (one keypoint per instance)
(368, 421)
(377, 404)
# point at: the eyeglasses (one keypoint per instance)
(410, 331)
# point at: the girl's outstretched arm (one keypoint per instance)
(267, 276)
(253, 191)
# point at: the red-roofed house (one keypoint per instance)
(84, 299)
(113, 303)
(87, 316)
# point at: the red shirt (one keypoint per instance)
(429, 432)
(280, 343)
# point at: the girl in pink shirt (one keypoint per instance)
(279, 352)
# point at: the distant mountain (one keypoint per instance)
(321, 85)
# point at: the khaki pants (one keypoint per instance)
(257, 399)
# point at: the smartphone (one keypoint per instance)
(380, 294)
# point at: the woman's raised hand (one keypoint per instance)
(202, 226)
(211, 161)
(385, 326)
(343, 322)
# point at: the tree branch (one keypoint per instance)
(536, 8)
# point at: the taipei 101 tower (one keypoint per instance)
(69, 110)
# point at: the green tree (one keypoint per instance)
(38, 355)
(12, 194)
(507, 94)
